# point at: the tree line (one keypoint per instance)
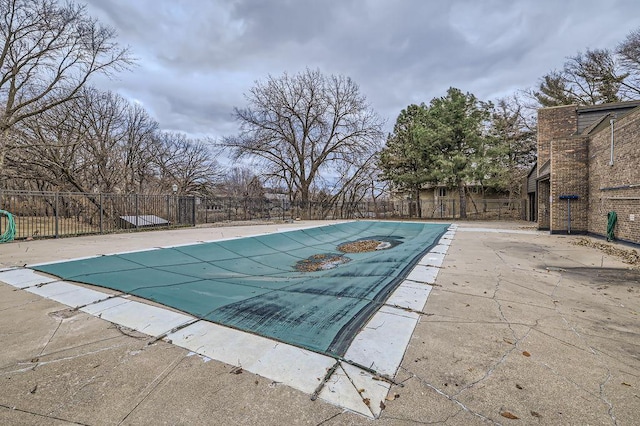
(309, 136)
(457, 140)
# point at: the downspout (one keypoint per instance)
(611, 122)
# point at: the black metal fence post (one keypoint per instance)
(168, 201)
(136, 212)
(101, 213)
(55, 203)
(193, 211)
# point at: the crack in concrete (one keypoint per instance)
(418, 422)
(474, 322)
(89, 381)
(533, 305)
(42, 363)
(39, 299)
(360, 394)
(148, 390)
(603, 398)
(451, 398)
(594, 352)
(33, 413)
(573, 329)
(47, 344)
(599, 395)
(328, 419)
(517, 340)
(564, 342)
(73, 395)
(63, 350)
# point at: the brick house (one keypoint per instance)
(588, 165)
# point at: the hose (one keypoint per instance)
(612, 218)
(10, 232)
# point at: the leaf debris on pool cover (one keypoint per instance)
(252, 284)
(359, 246)
(319, 262)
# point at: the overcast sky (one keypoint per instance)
(197, 58)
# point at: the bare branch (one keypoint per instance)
(303, 126)
(48, 53)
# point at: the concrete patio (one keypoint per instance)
(521, 326)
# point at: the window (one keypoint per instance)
(442, 192)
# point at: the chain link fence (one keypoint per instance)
(57, 214)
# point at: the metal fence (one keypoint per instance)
(53, 214)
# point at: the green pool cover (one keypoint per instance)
(268, 284)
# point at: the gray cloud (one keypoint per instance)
(196, 59)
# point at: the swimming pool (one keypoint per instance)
(296, 287)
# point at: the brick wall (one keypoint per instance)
(611, 187)
(554, 123)
(544, 190)
(579, 165)
(569, 176)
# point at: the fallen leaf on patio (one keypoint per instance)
(508, 415)
(507, 341)
(382, 406)
(518, 386)
(525, 353)
(536, 414)
(392, 397)
(236, 370)
(366, 401)
(625, 384)
(360, 390)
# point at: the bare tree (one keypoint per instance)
(140, 148)
(353, 183)
(48, 51)
(304, 125)
(187, 163)
(96, 142)
(593, 77)
(512, 147)
(241, 182)
(629, 53)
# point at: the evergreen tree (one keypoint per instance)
(455, 132)
(406, 159)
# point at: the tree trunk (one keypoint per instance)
(304, 201)
(4, 147)
(463, 200)
(418, 204)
